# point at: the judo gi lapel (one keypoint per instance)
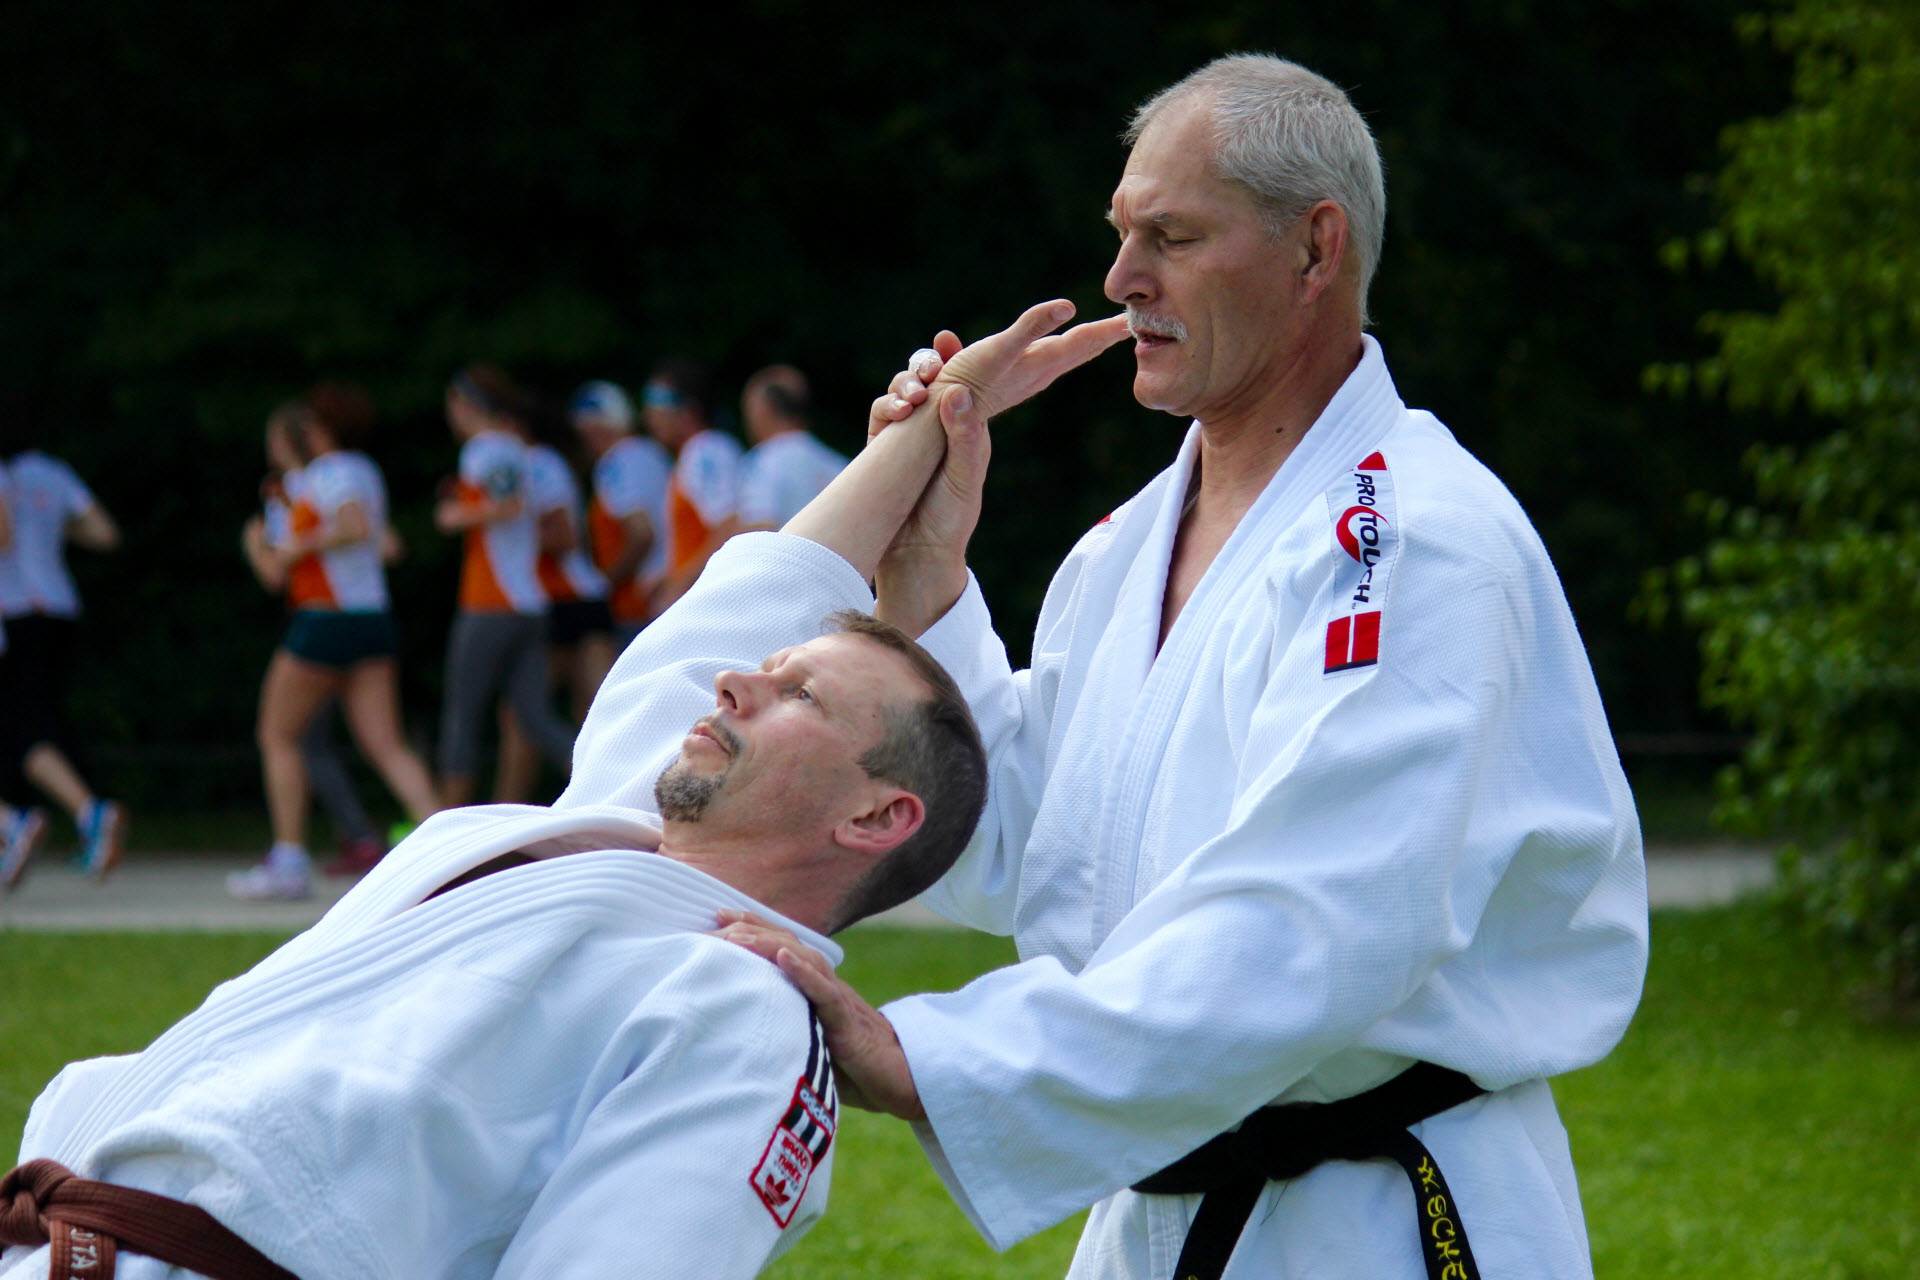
(1360, 414)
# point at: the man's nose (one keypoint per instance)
(1128, 280)
(737, 691)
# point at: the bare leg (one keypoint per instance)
(371, 700)
(293, 692)
(48, 768)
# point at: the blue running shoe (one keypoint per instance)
(103, 838)
(20, 834)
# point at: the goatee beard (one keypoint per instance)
(683, 795)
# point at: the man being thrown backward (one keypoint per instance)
(1308, 798)
(515, 1049)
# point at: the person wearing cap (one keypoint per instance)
(787, 466)
(628, 508)
(704, 493)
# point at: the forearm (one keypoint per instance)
(459, 515)
(634, 549)
(860, 512)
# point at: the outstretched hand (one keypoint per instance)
(999, 371)
(870, 1068)
(924, 568)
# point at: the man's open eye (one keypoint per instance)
(803, 693)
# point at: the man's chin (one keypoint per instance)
(1152, 392)
(683, 792)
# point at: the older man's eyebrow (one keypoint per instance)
(1159, 220)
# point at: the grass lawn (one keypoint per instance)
(1749, 1125)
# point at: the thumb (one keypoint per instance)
(958, 412)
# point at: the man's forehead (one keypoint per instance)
(1170, 176)
(845, 657)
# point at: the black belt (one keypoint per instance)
(1277, 1143)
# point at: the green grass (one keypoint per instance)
(1750, 1125)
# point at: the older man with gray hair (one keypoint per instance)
(1306, 819)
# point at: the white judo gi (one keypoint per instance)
(551, 1071)
(1362, 809)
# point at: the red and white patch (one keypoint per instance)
(799, 1142)
(1361, 508)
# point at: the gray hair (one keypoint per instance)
(1292, 139)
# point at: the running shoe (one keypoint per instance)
(103, 838)
(357, 857)
(20, 835)
(268, 882)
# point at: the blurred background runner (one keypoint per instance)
(342, 641)
(627, 517)
(496, 644)
(787, 466)
(266, 533)
(579, 634)
(704, 494)
(48, 506)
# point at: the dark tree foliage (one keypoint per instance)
(205, 207)
(1806, 599)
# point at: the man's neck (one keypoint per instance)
(797, 883)
(1242, 447)
(1241, 450)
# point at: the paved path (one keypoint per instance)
(188, 892)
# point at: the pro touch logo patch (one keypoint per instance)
(1362, 511)
(801, 1139)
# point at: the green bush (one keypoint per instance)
(1808, 601)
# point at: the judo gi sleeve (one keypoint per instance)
(709, 1158)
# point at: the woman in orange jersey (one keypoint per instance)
(342, 641)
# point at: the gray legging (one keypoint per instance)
(488, 652)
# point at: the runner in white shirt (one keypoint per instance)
(627, 514)
(579, 639)
(787, 466)
(703, 496)
(50, 507)
(263, 537)
(496, 644)
(341, 643)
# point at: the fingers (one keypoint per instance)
(1039, 320)
(1053, 356)
(946, 344)
(807, 970)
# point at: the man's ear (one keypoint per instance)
(890, 818)
(1325, 244)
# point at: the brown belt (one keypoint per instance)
(87, 1222)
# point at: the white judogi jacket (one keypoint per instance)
(548, 1072)
(1362, 809)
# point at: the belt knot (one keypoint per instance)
(26, 1194)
